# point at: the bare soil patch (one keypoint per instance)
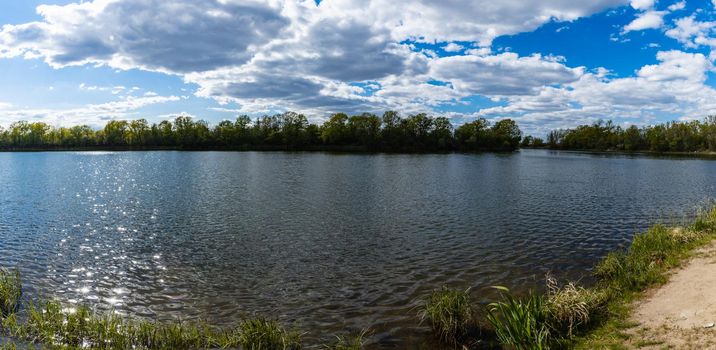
(682, 313)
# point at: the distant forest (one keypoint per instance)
(687, 136)
(286, 131)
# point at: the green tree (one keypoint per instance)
(364, 130)
(335, 131)
(293, 129)
(115, 132)
(473, 135)
(442, 134)
(506, 135)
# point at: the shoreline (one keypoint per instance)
(706, 155)
(267, 149)
(694, 154)
(647, 313)
(564, 316)
(572, 316)
(679, 313)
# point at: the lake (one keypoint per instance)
(326, 242)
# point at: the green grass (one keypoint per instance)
(264, 334)
(449, 312)
(49, 324)
(572, 316)
(354, 342)
(520, 323)
(10, 291)
(626, 275)
(650, 255)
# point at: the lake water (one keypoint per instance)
(327, 242)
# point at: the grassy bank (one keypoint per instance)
(50, 324)
(568, 315)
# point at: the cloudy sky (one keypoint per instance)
(546, 63)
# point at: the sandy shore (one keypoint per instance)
(682, 313)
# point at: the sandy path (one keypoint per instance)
(681, 314)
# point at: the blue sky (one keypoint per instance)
(548, 64)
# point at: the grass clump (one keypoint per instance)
(544, 321)
(449, 313)
(10, 291)
(705, 222)
(520, 323)
(355, 342)
(571, 307)
(264, 334)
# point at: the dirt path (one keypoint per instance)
(682, 313)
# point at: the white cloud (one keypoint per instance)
(646, 20)
(473, 21)
(185, 36)
(482, 51)
(115, 90)
(677, 6)
(176, 36)
(675, 86)
(649, 17)
(692, 33)
(284, 54)
(677, 65)
(642, 4)
(93, 114)
(501, 75)
(453, 47)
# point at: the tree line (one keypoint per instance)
(287, 131)
(675, 136)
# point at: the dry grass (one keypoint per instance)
(571, 306)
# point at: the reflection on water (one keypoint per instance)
(331, 242)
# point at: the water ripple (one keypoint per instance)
(330, 242)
